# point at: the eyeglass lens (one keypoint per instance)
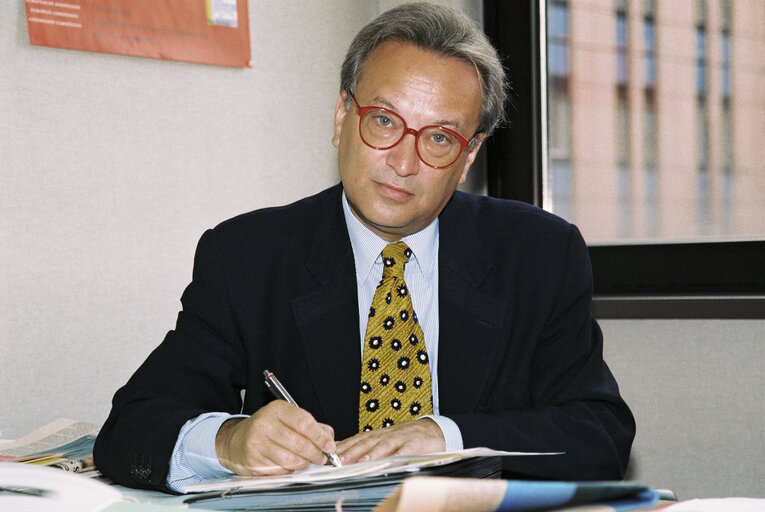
(436, 147)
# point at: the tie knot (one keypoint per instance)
(395, 256)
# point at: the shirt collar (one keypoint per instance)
(367, 246)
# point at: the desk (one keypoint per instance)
(78, 493)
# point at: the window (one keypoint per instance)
(660, 161)
(727, 127)
(622, 57)
(557, 39)
(649, 45)
(558, 104)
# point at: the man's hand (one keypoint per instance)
(408, 438)
(278, 439)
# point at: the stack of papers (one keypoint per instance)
(323, 474)
(64, 444)
(360, 486)
(465, 480)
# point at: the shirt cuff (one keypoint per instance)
(450, 430)
(194, 457)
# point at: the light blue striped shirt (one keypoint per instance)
(194, 458)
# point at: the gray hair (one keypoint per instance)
(439, 29)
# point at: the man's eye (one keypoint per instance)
(384, 121)
(439, 138)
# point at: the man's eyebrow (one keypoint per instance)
(379, 101)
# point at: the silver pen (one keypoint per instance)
(273, 385)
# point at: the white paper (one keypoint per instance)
(387, 465)
(719, 505)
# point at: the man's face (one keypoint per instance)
(392, 191)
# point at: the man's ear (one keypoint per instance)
(340, 112)
(472, 153)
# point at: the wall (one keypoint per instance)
(695, 388)
(111, 167)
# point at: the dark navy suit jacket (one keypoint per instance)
(520, 356)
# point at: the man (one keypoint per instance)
(500, 291)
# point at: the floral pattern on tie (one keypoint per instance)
(395, 374)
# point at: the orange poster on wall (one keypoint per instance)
(205, 31)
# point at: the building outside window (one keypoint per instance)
(656, 119)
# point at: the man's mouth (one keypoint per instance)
(394, 192)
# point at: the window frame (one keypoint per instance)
(717, 279)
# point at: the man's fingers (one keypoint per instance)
(318, 434)
(290, 434)
(261, 464)
(242, 453)
(292, 450)
(386, 447)
(371, 446)
(291, 456)
(409, 438)
(277, 439)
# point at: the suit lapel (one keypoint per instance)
(470, 320)
(327, 321)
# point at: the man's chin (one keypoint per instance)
(390, 229)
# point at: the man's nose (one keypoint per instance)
(403, 156)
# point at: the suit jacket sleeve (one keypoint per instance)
(271, 289)
(193, 371)
(543, 383)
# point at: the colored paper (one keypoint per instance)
(205, 31)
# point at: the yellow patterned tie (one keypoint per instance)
(395, 375)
